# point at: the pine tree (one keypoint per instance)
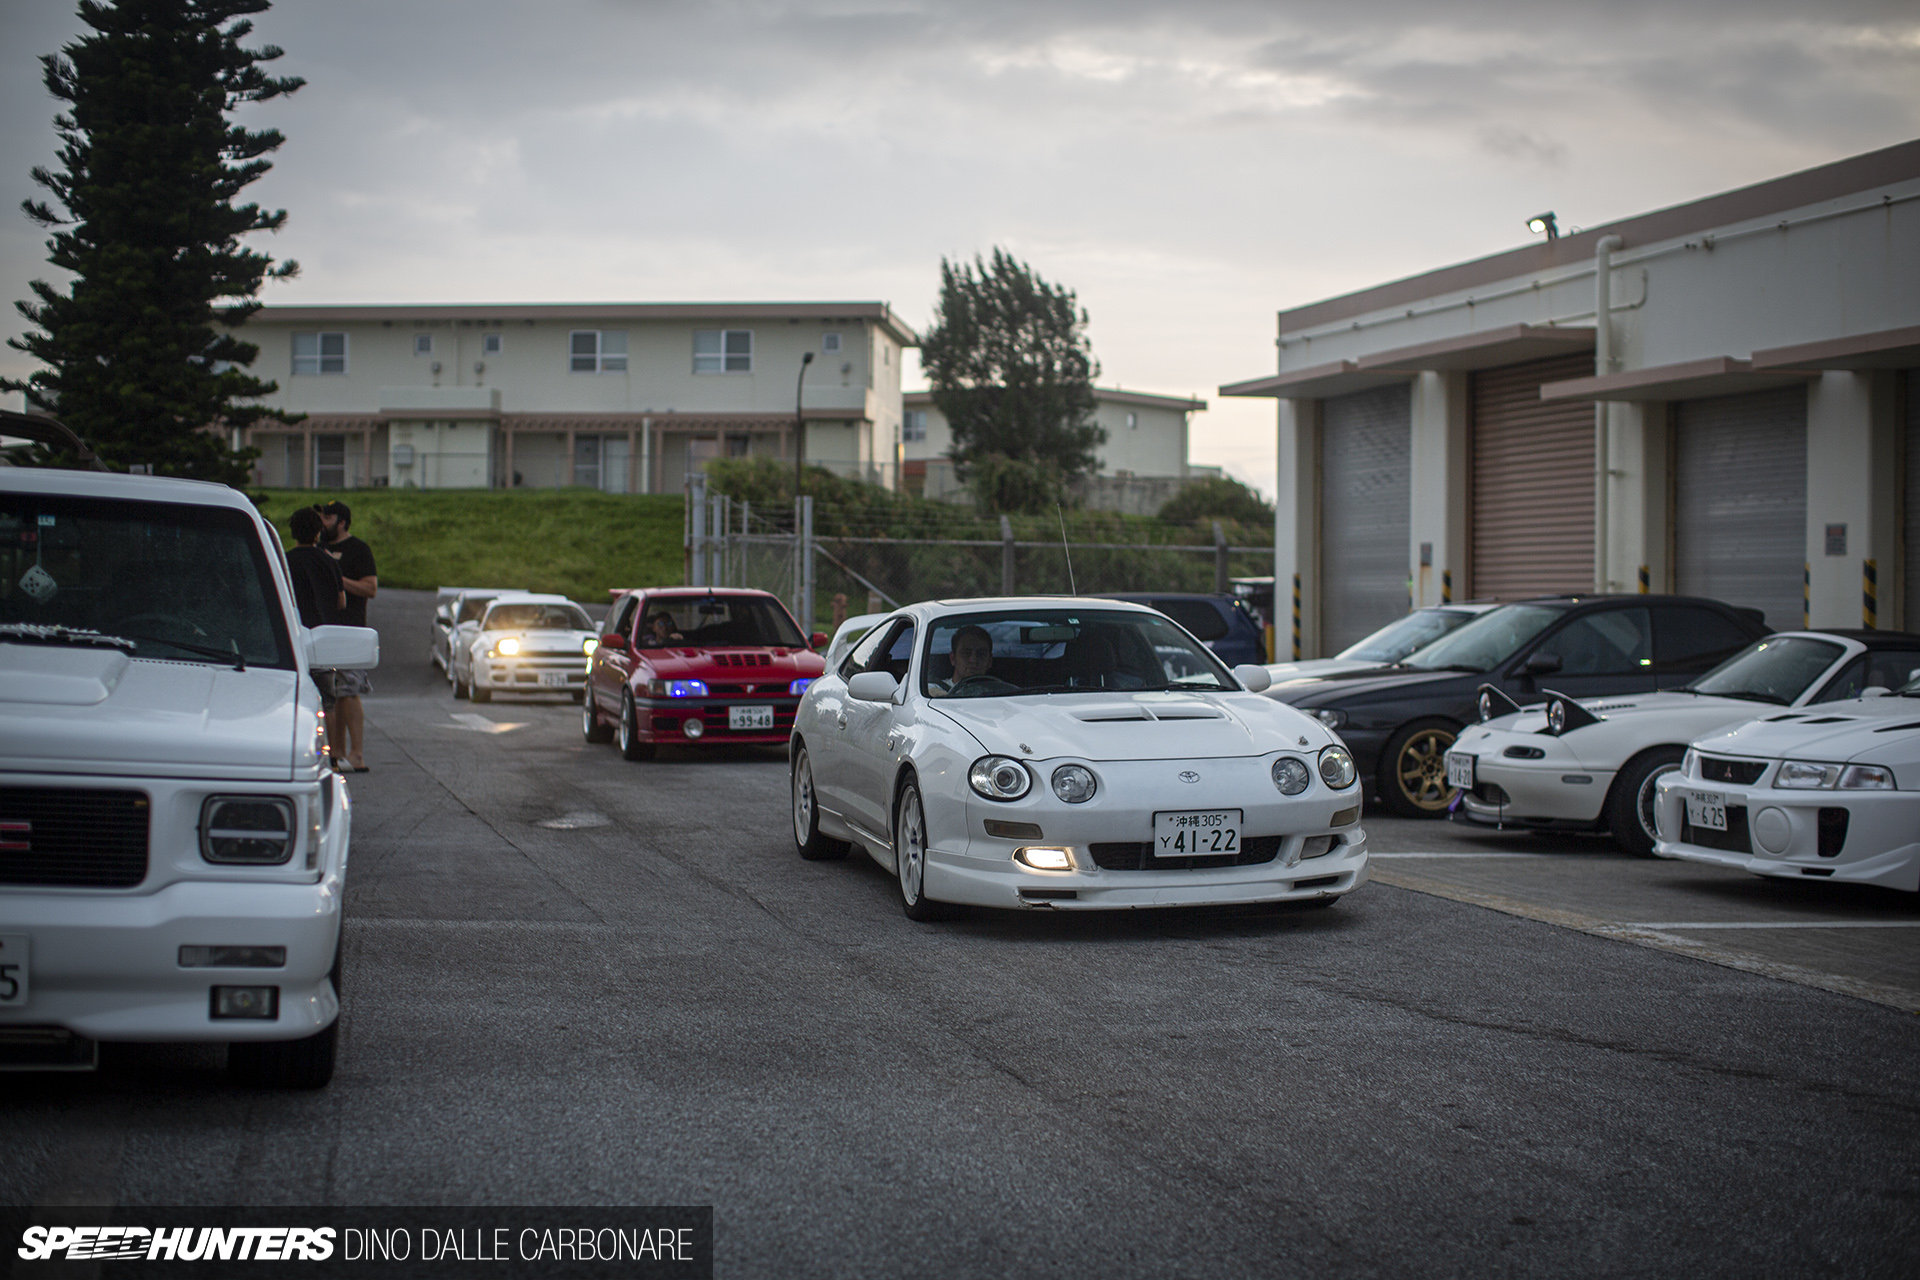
(140, 357)
(1012, 371)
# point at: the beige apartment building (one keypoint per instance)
(1142, 464)
(623, 397)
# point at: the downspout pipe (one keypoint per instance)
(1602, 365)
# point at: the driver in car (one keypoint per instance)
(972, 664)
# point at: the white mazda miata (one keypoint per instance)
(1068, 753)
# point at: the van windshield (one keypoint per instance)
(184, 583)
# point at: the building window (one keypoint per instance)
(490, 344)
(830, 342)
(598, 351)
(723, 351)
(913, 427)
(423, 344)
(1133, 420)
(319, 353)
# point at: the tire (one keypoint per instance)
(910, 857)
(478, 692)
(590, 726)
(1630, 806)
(1413, 769)
(459, 686)
(813, 846)
(631, 748)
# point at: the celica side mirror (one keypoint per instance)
(343, 648)
(1541, 664)
(1255, 679)
(873, 686)
(818, 640)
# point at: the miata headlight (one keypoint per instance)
(506, 646)
(1557, 716)
(999, 778)
(1074, 783)
(1331, 718)
(1290, 775)
(1336, 768)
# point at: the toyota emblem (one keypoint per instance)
(1188, 775)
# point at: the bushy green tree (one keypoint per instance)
(1012, 371)
(1217, 498)
(138, 354)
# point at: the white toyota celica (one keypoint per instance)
(1593, 765)
(1066, 753)
(1828, 793)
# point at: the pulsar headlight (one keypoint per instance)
(1336, 768)
(1291, 775)
(999, 778)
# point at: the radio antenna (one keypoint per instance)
(1072, 590)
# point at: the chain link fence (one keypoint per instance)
(826, 565)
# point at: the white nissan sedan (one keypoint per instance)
(1065, 753)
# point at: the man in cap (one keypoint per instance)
(347, 727)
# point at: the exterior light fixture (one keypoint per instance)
(1545, 222)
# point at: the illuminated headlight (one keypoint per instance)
(247, 830)
(1045, 858)
(677, 688)
(798, 687)
(506, 646)
(588, 645)
(1336, 768)
(1291, 775)
(1802, 775)
(999, 778)
(1866, 777)
(1074, 783)
(1330, 718)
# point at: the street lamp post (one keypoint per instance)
(799, 422)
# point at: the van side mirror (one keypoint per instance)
(343, 648)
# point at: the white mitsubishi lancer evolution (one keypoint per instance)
(1064, 753)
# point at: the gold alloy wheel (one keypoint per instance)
(1420, 770)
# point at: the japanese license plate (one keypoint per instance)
(1707, 809)
(1460, 770)
(553, 679)
(1196, 833)
(749, 717)
(13, 969)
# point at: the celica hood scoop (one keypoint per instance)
(59, 677)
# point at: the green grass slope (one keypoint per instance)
(575, 541)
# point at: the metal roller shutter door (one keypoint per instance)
(1365, 495)
(1911, 541)
(1740, 501)
(1532, 521)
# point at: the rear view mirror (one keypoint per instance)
(872, 686)
(343, 648)
(1256, 679)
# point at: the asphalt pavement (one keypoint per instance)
(574, 980)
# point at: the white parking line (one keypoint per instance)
(476, 723)
(1781, 924)
(1488, 854)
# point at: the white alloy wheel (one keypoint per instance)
(910, 856)
(813, 846)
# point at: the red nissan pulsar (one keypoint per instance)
(708, 665)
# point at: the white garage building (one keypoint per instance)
(1754, 393)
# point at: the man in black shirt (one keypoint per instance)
(317, 585)
(347, 727)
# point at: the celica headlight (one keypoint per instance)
(1290, 775)
(1336, 768)
(1074, 783)
(506, 646)
(999, 778)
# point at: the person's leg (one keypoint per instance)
(352, 726)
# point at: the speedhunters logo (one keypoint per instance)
(386, 1241)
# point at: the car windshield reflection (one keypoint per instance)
(1487, 641)
(1776, 669)
(1006, 653)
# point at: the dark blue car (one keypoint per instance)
(1223, 623)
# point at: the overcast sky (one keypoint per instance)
(1187, 168)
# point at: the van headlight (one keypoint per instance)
(247, 830)
(999, 778)
(1336, 767)
(506, 647)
